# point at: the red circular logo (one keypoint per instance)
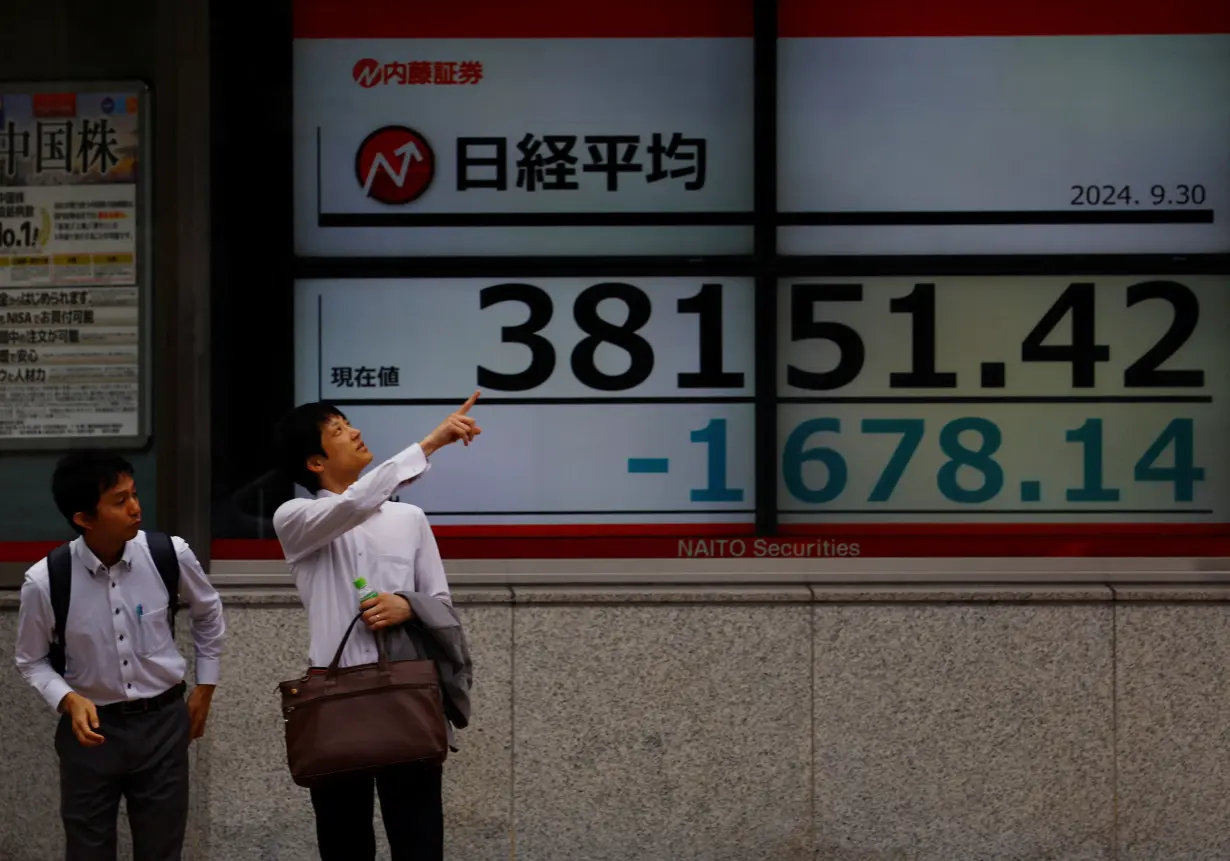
(394, 165)
(366, 72)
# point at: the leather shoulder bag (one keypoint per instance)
(361, 719)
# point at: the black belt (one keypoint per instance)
(151, 704)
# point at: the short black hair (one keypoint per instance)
(297, 438)
(81, 478)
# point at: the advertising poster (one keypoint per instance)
(71, 258)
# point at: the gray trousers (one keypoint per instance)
(145, 760)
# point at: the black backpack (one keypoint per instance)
(60, 575)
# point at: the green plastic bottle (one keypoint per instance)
(365, 591)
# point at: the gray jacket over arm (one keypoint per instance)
(435, 633)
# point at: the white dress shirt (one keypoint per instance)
(113, 652)
(332, 539)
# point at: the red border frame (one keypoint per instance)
(662, 541)
(725, 540)
(524, 19)
(956, 18)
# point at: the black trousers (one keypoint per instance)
(411, 805)
(144, 760)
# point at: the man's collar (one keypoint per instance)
(91, 561)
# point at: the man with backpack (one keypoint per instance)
(95, 637)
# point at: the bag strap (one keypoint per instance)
(382, 662)
(166, 560)
(60, 581)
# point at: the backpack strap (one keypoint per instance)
(166, 560)
(60, 580)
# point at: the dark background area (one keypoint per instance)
(252, 255)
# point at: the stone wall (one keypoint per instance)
(722, 723)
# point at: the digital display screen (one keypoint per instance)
(935, 127)
(920, 415)
(1007, 400)
(537, 128)
(603, 400)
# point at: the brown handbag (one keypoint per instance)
(357, 720)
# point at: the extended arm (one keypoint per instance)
(305, 525)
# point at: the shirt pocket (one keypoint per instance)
(395, 572)
(153, 631)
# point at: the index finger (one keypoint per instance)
(465, 408)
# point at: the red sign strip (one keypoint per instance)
(530, 19)
(809, 541)
(838, 541)
(905, 18)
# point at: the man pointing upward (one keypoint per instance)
(350, 529)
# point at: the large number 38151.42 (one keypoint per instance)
(707, 305)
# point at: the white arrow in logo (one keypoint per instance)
(409, 151)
